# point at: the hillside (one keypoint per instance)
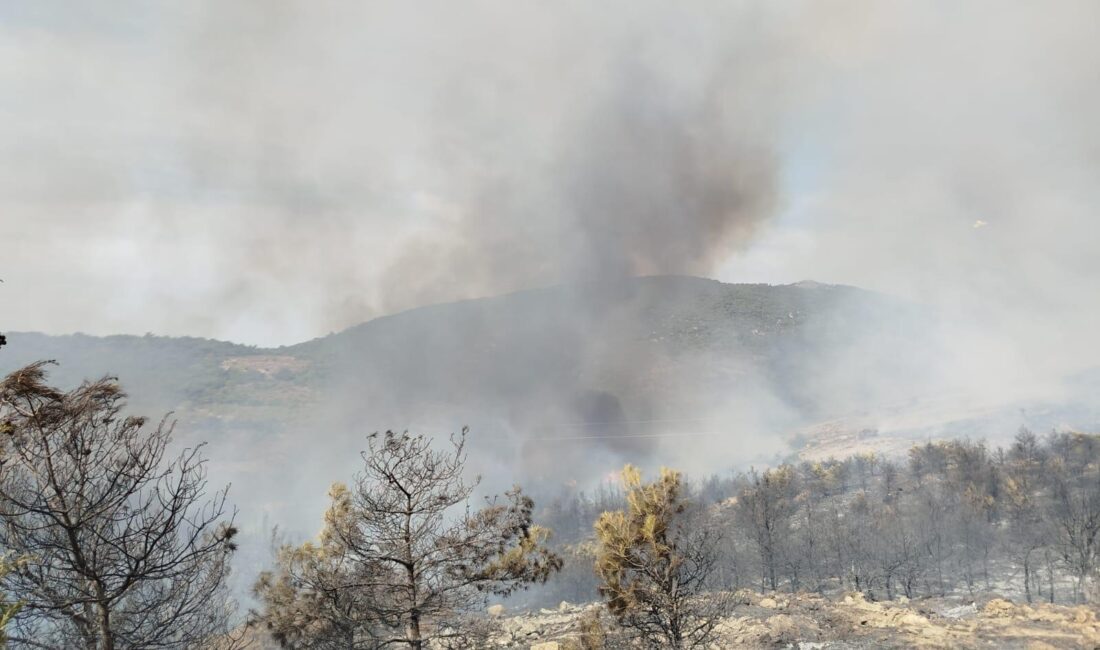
(557, 384)
(548, 332)
(659, 348)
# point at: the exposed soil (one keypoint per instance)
(808, 621)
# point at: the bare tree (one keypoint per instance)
(1027, 530)
(1076, 518)
(956, 517)
(421, 558)
(765, 508)
(655, 560)
(120, 547)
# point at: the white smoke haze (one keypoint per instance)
(358, 158)
(304, 166)
(942, 119)
(268, 172)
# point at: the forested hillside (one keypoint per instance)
(559, 385)
(619, 364)
(577, 337)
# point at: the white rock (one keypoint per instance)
(961, 611)
(496, 611)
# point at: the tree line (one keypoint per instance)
(110, 540)
(952, 517)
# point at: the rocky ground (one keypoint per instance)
(806, 621)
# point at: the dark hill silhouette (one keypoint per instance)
(612, 364)
(557, 384)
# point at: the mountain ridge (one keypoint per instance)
(557, 384)
(626, 350)
(244, 346)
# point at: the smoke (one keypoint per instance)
(267, 171)
(277, 170)
(952, 160)
(648, 180)
(271, 171)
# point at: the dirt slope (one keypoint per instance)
(812, 621)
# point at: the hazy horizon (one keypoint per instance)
(268, 173)
(834, 262)
(550, 287)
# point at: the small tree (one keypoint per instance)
(118, 548)
(404, 542)
(765, 508)
(1075, 514)
(654, 561)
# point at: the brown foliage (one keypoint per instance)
(654, 560)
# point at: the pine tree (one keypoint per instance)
(654, 559)
(120, 545)
(403, 543)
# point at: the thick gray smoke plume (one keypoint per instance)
(270, 171)
(648, 180)
(267, 171)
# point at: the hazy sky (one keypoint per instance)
(269, 171)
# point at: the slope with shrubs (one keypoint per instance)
(478, 358)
